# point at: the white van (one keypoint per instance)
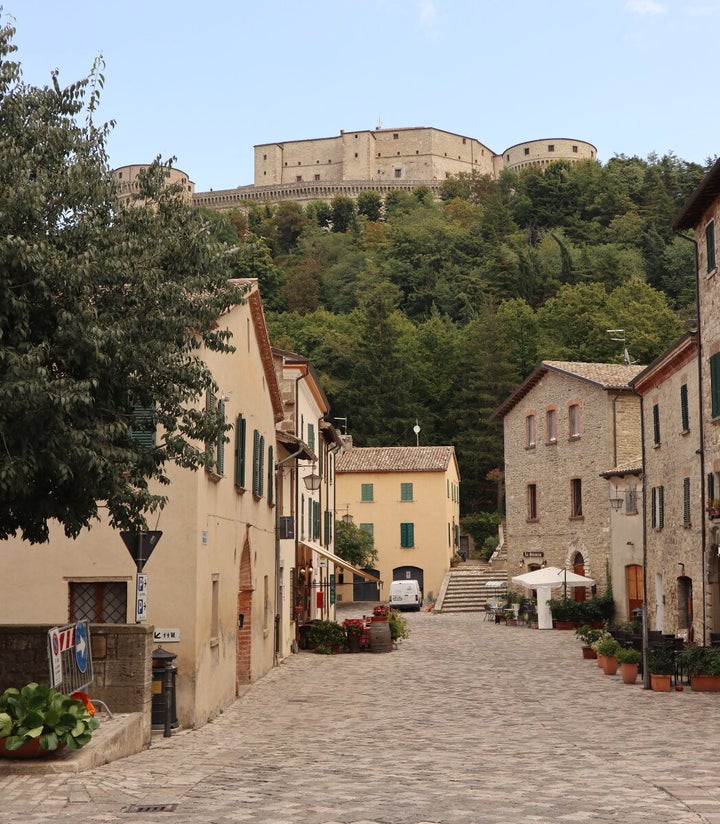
(405, 594)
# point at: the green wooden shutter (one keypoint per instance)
(369, 528)
(684, 409)
(656, 424)
(715, 384)
(328, 526)
(143, 429)
(710, 245)
(240, 429)
(686, 501)
(661, 507)
(220, 450)
(711, 486)
(653, 508)
(366, 492)
(271, 476)
(407, 535)
(406, 492)
(256, 462)
(261, 467)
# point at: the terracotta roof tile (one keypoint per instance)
(629, 468)
(395, 459)
(607, 375)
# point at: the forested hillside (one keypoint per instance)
(413, 309)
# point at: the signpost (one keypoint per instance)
(140, 546)
(69, 657)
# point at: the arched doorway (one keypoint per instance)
(244, 633)
(407, 573)
(578, 567)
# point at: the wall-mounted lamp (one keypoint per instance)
(681, 568)
(616, 503)
(522, 563)
(347, 518)
(544, 563)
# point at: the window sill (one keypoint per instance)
(241, 490)
(573, 437)
(214, 641)
(684, 432)
(532, 520)
(530, 446)
(213, 476)
(657, 445)
(551, 442)
(577, 517)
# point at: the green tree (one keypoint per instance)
(369, 204)
(343, 213)
(101, 310)
(355, 545)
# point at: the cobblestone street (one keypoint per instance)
(466, 722)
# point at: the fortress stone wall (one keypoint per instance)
(379, 160)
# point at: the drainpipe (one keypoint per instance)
(701, 450)
(645, 636)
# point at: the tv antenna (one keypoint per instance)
(343, 424)
(626, 354)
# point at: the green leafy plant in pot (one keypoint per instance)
(45, 715)
(327, 636)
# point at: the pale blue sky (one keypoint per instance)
(207, 81)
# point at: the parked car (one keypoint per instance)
(405, 594)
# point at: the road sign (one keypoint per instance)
(167, 635)
(140, 545)
(141, 599)
(82, 647)
(55, 659)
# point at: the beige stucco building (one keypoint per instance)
(674, 511)
(408, 499)
(564, 426)
(211, 593)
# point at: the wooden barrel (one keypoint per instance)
(380, 639)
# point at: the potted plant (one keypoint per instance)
(702, 664)
(380, 613)
(37, 720)
(609, 648)
(629, 660)
(327, 637)
(661, 665)
(588, 636)
(398, 625)
(596, 645)
(566, 613)
(354, 628)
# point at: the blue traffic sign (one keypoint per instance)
(81, 646)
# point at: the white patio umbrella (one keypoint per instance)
(546, 579)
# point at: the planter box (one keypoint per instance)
(705, 683)
(589, 654)
(660, 683)
(564, 625)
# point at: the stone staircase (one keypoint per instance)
(468, 587)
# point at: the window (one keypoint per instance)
(530, 431)
(532, 502)
(710, 246)
(395, 135)
(311, 436)
(143, 427)
(574, 148)
(407, 535)
(574, 421)
(527, 151)
(551, 425)
(684, 409)
(366, 492)
(215, 609)
(100, 602)
(657, 507)
(711, 486)
(215, 452)
(631, 501)
(686, 502)
(715, 384)
(240, 429)
(315, 507)
(258, 464)
(398, 172)
(298, 178)
(656, 424)
(551, 147)
(271, 476)
(328, 525)
(406, 492)
(369, 528)
(576, 507)
(316, 177)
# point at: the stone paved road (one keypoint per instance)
(465, 722)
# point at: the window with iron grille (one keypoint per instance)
(100, 602)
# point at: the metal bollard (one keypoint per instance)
(164, 714)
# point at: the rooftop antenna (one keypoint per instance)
(626, 354)
(379, 125)
(343, 424)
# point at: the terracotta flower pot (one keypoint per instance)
(31, 749)
(629, 673)
(600, 660)
(705, 683)
(659, 683)
(589, 654)
(610, 665)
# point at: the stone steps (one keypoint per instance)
(465, 588)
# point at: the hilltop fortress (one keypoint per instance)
(378, 159)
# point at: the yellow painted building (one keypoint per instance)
(408, 499)
(211, 578)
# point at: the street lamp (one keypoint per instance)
(312, 481)
(347, 518)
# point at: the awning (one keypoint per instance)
(339, 561)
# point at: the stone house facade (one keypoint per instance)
(211, 593)
(674, 576)
(564, 426)
(701, 215)
(408, 499)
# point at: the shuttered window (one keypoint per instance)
(366, 492)
(258, 484)
(715, 384)
(406, 492)
(240, 430)
(710, 246)
(684, 409)
(686, 501)
(656, 424)
(407, 535)
(271, 476)
(143, 430)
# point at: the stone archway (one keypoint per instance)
(244, 634)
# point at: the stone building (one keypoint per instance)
(126, 178)
(564, 426)
(701, 215)
(407, 498)
(376, 159)
(674, 579)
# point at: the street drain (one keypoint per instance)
(151, 808)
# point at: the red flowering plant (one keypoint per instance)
(380, 610)
(353, 626)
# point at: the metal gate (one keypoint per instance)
(70, 657)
